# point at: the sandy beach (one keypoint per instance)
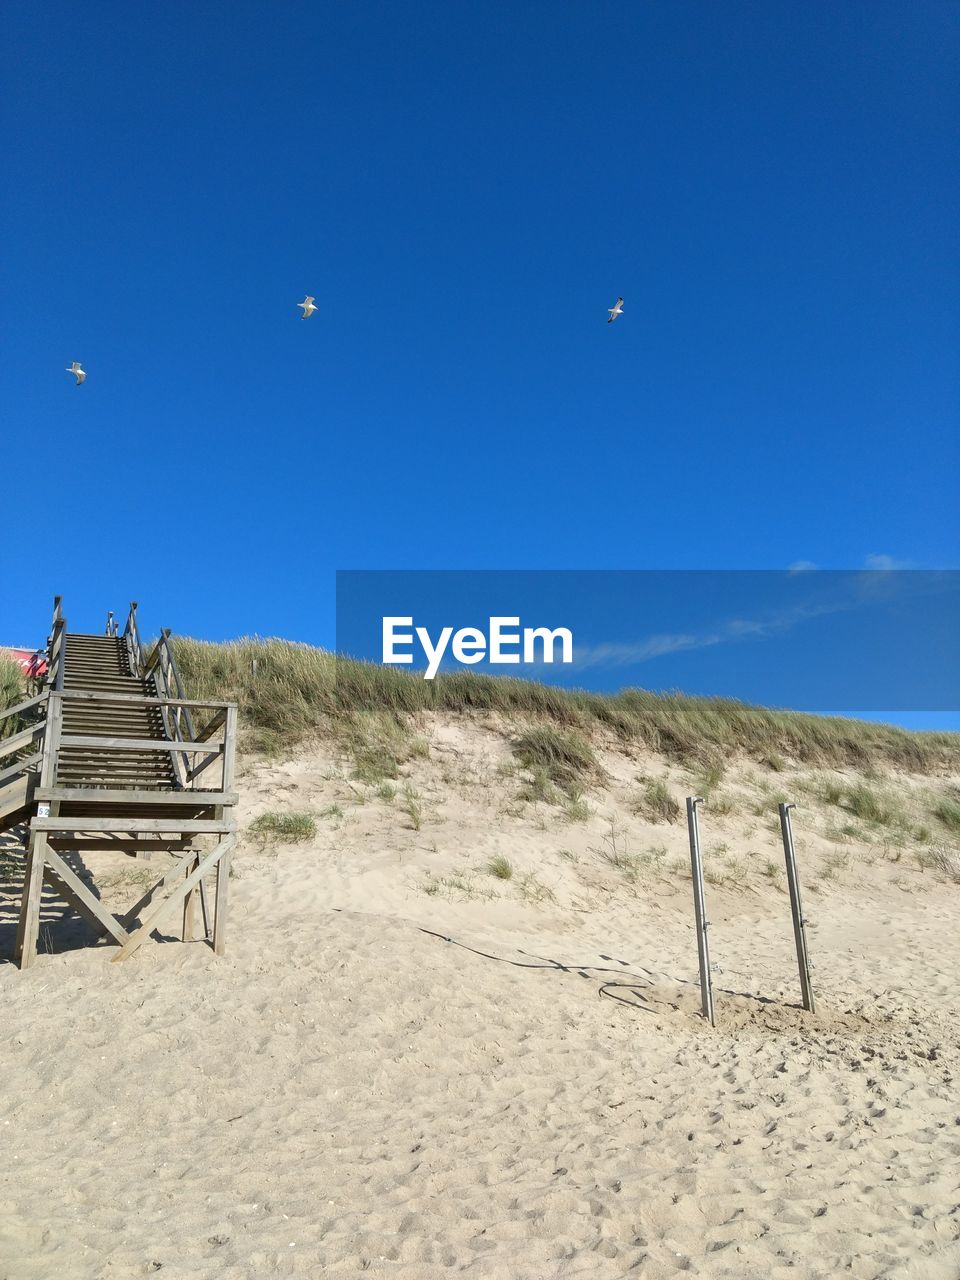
(407, 1067)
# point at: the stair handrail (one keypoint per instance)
(34, 737)
(56, 647)
(177, 718)
(131, 636)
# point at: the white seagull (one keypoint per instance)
(77, 372)
(615, 311)
(308, 307)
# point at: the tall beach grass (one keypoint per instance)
(288, 692)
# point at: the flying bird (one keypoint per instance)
(615, 311)
(308, 307)
(77, 372)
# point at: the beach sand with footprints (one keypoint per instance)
(409, 1066)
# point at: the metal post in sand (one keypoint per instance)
(696, 868)
(799, 924)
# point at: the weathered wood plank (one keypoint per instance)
(190, 901)
(18, 740)
(220, 910)
(95, 695)
(202, 766)
(137, 744)
(206, 864)
(51, 740)
(229, 749)
(132, 824)
(28, 926)
(30, 762)
(172, 874)
(23, 706)
(94, 907)
(213, 725)
(103, 796)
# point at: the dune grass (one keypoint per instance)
(284, 826)
(656, 803)
(13, 689)
(948, 811)
(563, 758)
(297, 691)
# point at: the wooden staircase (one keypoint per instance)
(107, 756)
(101, 664)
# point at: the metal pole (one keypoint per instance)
(696, 868)
(799, 924)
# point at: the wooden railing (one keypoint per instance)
(194, 751)
(131, 636)
(184, 751)
(23, 728)
(56, 647)
(29, 737)
(176, 710)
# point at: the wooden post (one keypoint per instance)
(223, 866)
(220, 911)
(25, 949)
(699, 908)
(28, 926)
(189, 903)
(207, 863)
(796, 908)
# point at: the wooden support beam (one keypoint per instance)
(220, 910)
(70, 898)
(199, 768)
(23, 706)
(21, 766)
(176, 872)
(18, 740)
(205, 864)
(134, 825)
(189, 902)
(104, 796)
(97, 695)
(104, 844)
(73, 740)
(94, 908)
(25, 947)
(211, 728)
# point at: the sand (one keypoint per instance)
(408, 1068)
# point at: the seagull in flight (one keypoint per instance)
(77, 372)
(308, 307)
(616, 310)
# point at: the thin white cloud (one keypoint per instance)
(841, 592)
(611, 654)
(885, 563)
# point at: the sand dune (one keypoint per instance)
(408, 1068)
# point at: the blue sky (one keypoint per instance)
(773, 189)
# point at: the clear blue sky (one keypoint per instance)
(466, 188)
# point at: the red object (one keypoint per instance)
(31, 662)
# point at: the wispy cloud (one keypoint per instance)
(884, 563)
(728, 632)
(837, 592)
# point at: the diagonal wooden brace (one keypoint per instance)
(176, 872)
(88, 902)
(177, 894)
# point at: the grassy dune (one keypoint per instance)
(288, 692)
(12, 690)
